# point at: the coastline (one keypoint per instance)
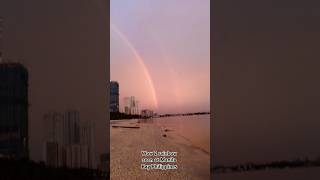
(127, 144)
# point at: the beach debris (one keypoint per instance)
(133, 127)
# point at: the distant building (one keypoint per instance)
(72, 127)
(136, 109)
(74, 156)
(146, 113)
(87, 145)
(53, 124)
(114, 96)
(69, 141)
(13, 110)
(55, 153)
(52, 154)
(127, 106)
(131, 106)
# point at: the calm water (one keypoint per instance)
(195, 129)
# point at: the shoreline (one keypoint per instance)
(127, 144)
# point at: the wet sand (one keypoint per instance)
(127, 144)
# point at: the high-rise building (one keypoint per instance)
(127, 106)
(72, 127)
(73, 156)
(69, 141)
(53, 123)
(136, 109)
(131, 105)
(52, 154)
(87, 145)
(114, 96)
(13, 110)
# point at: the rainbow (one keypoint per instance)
(140, 61)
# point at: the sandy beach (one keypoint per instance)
(127, 143)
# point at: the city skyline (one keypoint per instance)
(162, 61)
(63, 45)
(69, 140)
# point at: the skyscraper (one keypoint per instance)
(127, 105)
(87, 144)
(72, 127)
(13, 110)
(55, 153)
(114, 96)
(131, 105)
(69, 141)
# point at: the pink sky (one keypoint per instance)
(161, 54)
